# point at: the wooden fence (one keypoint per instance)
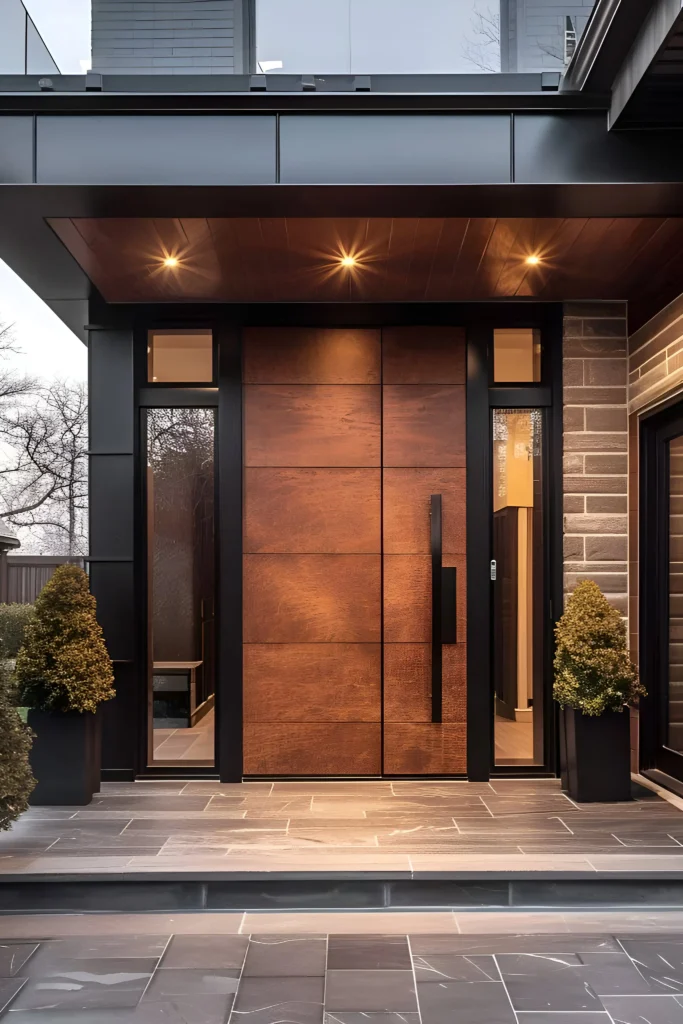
(22, 577)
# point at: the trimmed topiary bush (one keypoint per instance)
(14, 618)
(593, 670)
(63, 664)
(16, 781)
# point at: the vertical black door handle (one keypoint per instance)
(444, 621)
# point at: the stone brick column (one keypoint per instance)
(595, 448)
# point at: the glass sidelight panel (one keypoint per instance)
(517, 566)
(675, 690)
(181, 585)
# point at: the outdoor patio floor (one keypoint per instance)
(401, 828)
(129, 970)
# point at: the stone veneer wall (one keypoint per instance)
(595, 448)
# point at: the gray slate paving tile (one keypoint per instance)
(368, 953)
(660, 961)
(201, 981)
(223, 952)
(440, 967)
(564, 1018)
(273, 1000)
(13, 956)
(471, 945)
(49, 962)
(644, 1009)
(101, 947)
(346, 1017)
(477, 1004)
(9, 987)
(85, 985)
(178, 1010)
(547, 982)
(370, 990)
(274, 956)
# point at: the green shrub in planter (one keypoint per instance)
(16, 780)
(63, 664)
(593, 670)
(63, 674)
(14, 618)
(595, 681)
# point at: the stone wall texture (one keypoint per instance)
(595, 448)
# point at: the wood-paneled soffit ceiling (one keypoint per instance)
(378, 259)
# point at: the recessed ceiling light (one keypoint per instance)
(171, 261)
(533, 261)
(348, 261)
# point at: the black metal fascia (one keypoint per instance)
(604, 45)
(79, 101)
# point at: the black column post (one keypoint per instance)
(479, 704)
(112, 538)
(229, 538)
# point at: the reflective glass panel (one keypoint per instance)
(180, 357)
(397, 37)
(181, 585)
(519, 585)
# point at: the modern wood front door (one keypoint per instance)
(349, 436)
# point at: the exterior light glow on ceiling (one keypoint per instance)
(348, 261)
(533, 261)
(171, 261)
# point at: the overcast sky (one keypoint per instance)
(49, 349)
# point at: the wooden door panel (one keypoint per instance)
(312, 682)
(311, 355)
(408, 683)
(408, 597)
(406, 494)
(312, 748)
(424, 355)
(311, 510)
(416, 749)
(312, 425)
(312, 598)
(424, 425)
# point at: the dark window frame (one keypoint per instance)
(189, 327)
(656, 429)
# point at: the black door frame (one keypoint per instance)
(483, 395)
(479, 320)
(656, 429)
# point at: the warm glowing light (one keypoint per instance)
(533, 261)
(348, 261)
(171, 261)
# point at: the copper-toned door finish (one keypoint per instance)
(423, 454)
(312, 561)
(347, 434)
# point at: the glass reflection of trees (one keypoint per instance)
(180, 495)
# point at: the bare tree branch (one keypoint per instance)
(483, 50)
(44, 483)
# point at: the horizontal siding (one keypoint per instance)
(165, 37)
(656, 357)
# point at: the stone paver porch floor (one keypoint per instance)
(221, 969)
(397, 828)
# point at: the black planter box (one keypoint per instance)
(66, 757)
(598, 756)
